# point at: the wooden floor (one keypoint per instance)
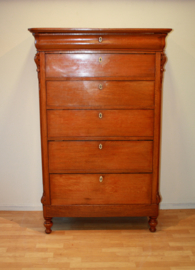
(97, 243)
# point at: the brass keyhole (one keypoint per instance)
(101, 179)
(100, 39)
(100, 115)
(100, 59)
(100, 146)
(100, 86)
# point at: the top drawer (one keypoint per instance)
(137, 41)
(100, 65)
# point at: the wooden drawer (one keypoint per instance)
(99, 41)
(100, 65)
(86, 156)
(82, 189)
(100, 123)
(100, 94)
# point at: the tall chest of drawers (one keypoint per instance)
(100, 110)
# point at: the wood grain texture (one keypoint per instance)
(51, 39)
(68, 189)
(115, 156)
(64, 42)
(106, 210)
(102, 123)
(103, 138)
(43, 122)
(101, 78)
(122, 31)
(100, 96)
(113, 95)
(89, 65)
(97, 243)
(157, 124)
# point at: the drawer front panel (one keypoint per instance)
(143, 42)
(101, 94)
(100, 65)
(104, 156)
(100, 123)
(74, 189)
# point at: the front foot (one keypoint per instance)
(153, 222)
(48, 224)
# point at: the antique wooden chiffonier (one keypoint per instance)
(100, 111)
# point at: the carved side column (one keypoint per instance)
(43, 198)
(158, 198)
(37, 62)
(153, 219)
(162, 64)
(48, 220)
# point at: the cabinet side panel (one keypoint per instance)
(157, 119)
(43, 121)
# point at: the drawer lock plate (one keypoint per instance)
(101, 179)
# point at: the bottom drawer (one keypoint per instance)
(82, 189)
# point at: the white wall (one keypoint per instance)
(20, 161)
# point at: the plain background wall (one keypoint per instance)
(20, 156)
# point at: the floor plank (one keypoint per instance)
(97, 243)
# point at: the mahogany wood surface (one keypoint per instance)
(100, 123)
(153, 222)
(100, 109)
(122, 31)
(81, 189)
(119, 78)
(43, 121)
(103, 138)
(61, 42)
(101, 65)
(97, 94)
(106, 210)
(115, 156)
(51, 39)
(48, 224)
(157, 126)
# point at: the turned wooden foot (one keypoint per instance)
(153, 222)
(48, 224)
